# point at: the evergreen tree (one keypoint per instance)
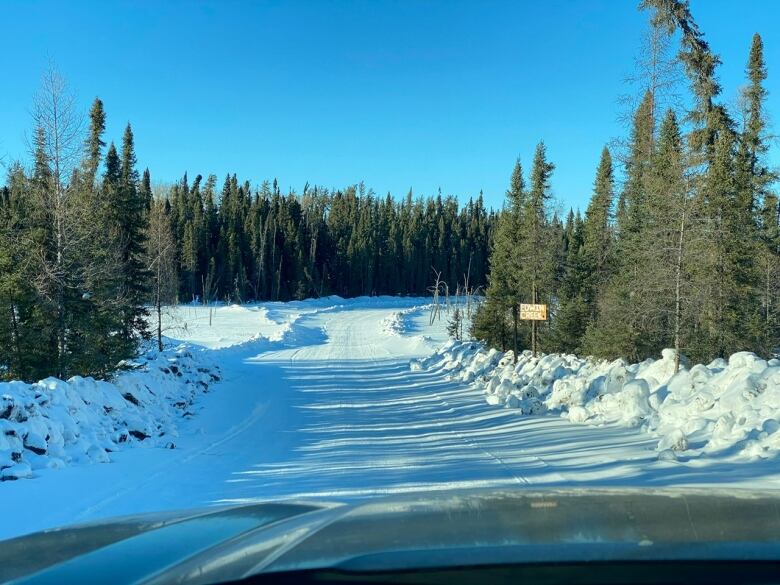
(667, 261)
(455, 324)
(597, 237)
(133, 224)
(94, 144)
(769, 265)
(504, 293)
(633, 197)
(100, 254)
(690, 258)
(754, 179)
(726, 273)
(27, 337)
(616, 330)
(145, 190)
(536, 250)
(709, 118)
(572, 313)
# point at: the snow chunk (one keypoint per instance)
(18, 471)
(35, 443)
(54, 422)
(675, 441)
(701, 409)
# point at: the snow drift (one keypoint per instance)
(397, 324)
(54, 422)
(728, 407)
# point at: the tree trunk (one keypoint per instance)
(514, 331)
(159, 308)
(678, 294)
(279, 279)
(768, 307)
(15, 338)
(533, 323)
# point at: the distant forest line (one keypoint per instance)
(241, 244)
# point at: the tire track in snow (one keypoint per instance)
(188, 455)
(518, 478)
(185, 458)
(354, 335)
(346, 336)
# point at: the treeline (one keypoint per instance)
(686, 255)
(73, 276)
(86, 248)
(683, 253)
(238, 244)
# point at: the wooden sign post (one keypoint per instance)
(533, 313)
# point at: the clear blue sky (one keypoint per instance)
(423, 94)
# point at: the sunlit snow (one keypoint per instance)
(343, 399)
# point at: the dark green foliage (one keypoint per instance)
(132, 228)
(492, 324)
(536, 247)
(72, 273)
(94, 143)
(708, 117)
(264, 245)
(691, 259)
(572, 313)
(78, 271)
(687, 257)
(145, 191)
(633, 200)
(27, 339)
(727, 266)
(597, 237)
(615, 307)
(769, 269)
(455, 324)
(523, 264)
(505, 291)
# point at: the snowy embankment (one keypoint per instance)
(55, 422)
(724, 407)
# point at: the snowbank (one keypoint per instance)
(54, 422)
(724, 407)
(396, 323)
(393, 324)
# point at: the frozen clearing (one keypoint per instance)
(318, 400)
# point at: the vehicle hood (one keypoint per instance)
(433, 529)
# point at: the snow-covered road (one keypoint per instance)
(325, 405)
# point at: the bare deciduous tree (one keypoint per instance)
(58, 146)
(161, 256)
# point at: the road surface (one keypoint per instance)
(329, 409)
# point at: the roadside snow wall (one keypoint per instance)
(726, 406)
(53, 422)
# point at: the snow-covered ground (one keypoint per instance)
(52, 423)
(704, 416)
(318, 400)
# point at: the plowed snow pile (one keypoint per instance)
(81, 420)
(724, 407)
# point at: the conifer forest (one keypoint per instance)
(679, 246)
